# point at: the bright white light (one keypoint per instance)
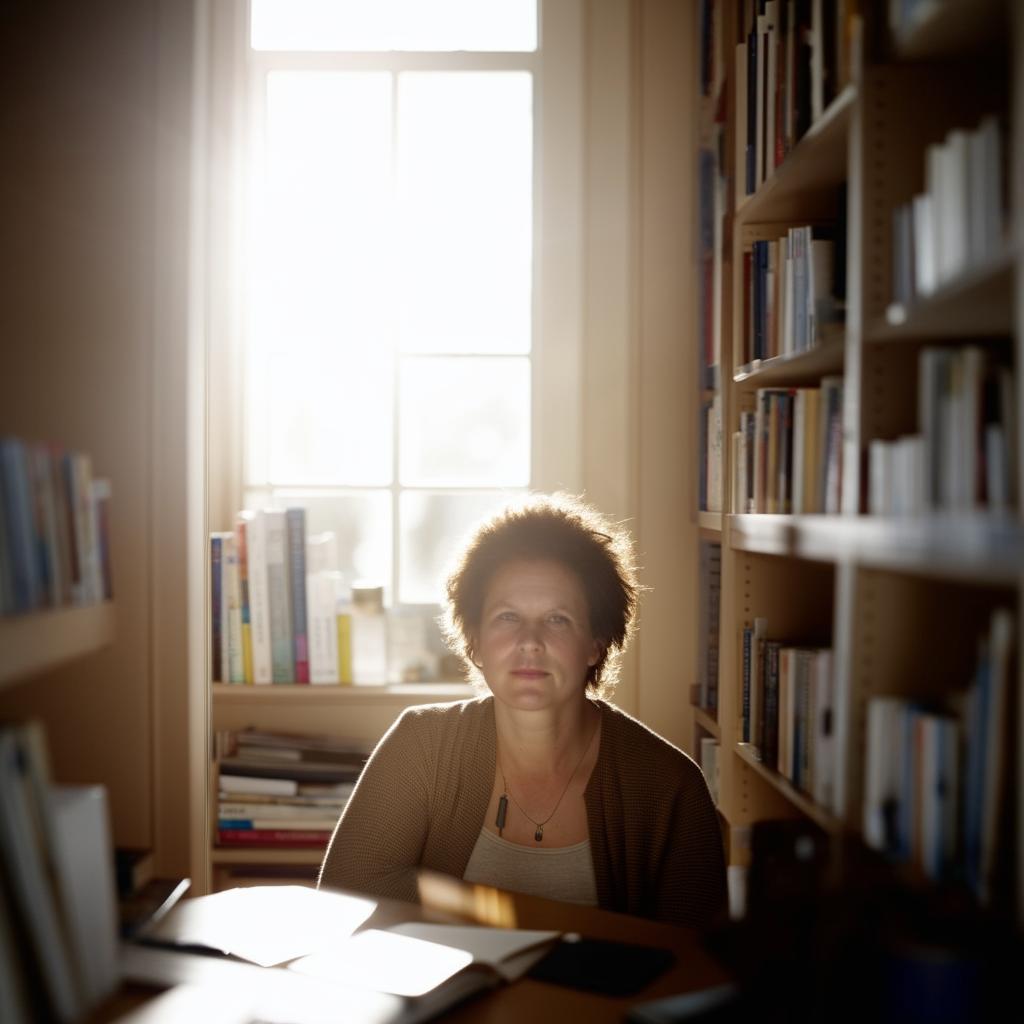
(481, 25)
(465, 200)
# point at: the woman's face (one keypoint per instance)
(534, 644)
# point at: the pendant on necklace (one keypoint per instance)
(539, 834)
(499, 821)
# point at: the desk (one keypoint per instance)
(536, 1001)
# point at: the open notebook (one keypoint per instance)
(405, 974)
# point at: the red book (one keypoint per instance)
(271, 837)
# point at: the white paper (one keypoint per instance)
(267, 924)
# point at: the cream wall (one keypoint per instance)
(638, 394)
(95, 115)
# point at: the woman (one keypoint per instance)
(540, 787)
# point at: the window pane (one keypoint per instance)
(465, 422)
(323, 222)
(465, 220)
(360, 522)
(394, 25)
(329, 420)
(432, 528)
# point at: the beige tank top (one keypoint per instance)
(565, 873)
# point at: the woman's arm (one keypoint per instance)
(691, 885)
(378, 842)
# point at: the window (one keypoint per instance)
(390, 352)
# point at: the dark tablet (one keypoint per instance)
(600, 965)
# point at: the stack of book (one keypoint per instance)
(957, 223)
(788, 710)
(798, 55)
(963, 458)
(274, 596)
(58, 905)
(787, 454)
(794, 287)
(281, 789)
(54, 536)
(936, 778)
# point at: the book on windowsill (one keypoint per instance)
(272, 837)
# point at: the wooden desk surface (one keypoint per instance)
(538, 1001)
(526, 999)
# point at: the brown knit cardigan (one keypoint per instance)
(422, 797)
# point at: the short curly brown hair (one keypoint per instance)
(559, 528)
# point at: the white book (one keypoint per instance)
(322, 589)
(925, 274)
(882, 768)
(252, 784)
(25, 856)
(956, 246)
(259, 606)
(879, 501)
(938, 193)
(84, 860)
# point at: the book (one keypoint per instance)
(278, 599)
(295, 525)
(83, 860)
(274, 836)
(25, 854)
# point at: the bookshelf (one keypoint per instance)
(37, 642)
(902, 602)
(358, 713)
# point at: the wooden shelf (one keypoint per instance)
(710, 522)
(796, 368)
(706, 722)
(280, 693)
(829, 822)
(953, 28)
(978, 303)
(39, 641)
(816, 165)
(976, 548)
(262, 855)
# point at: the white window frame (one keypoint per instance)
(557, 349)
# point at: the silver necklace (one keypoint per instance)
(503, 800)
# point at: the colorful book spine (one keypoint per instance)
(242, 553)
(295, 521)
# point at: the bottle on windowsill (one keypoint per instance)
(369, 635)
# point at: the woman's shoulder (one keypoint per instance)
(635, 748)
(445, 717)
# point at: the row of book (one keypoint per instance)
(787, 710)
(793, 287)
(787, 454)
(796, 57)
(280, 789)
(58, 904)
(280, 611)
(54, 528)
(936, 778)
(709, 588)
(957, 223)
(963, 457)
